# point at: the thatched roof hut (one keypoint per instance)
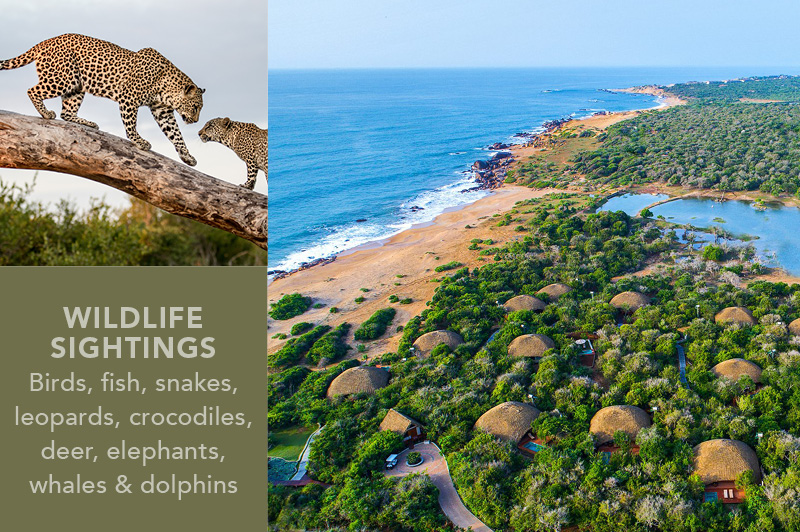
(425, 343)
(737, 367)
(739, 315)
(361, 379)
(629, 419)
(555, 290)
(524, 302)
(508, 421)
(397, 422)
(794, 327)
(724, 461)
(530, 345)
(629, 301)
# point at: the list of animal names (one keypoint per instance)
(157, 400)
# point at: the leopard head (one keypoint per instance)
(189, 103)
(215, 129)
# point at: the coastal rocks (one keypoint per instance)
(498, 146)
(280, 274)
(492, 173)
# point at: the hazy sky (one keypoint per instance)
(221, 45)
(465, 33)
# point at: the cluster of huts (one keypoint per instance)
(718, 462)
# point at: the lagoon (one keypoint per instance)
(776, 228)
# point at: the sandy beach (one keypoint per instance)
(402, 265)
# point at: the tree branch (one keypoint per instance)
(34, 143)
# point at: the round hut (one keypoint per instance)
(361, 379)
(794, 327)
(608, 420)
(735, 368)
(524, 302)
(508, 421)
(740, 315)
(530, 345)
(555, 290)
(724, 460)
(425, 343)
(629, 301)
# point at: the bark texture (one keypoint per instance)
(34, 143)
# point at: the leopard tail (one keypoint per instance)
(19, 61)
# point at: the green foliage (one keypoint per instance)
(376, 325)
(414, 458)
(295, 348)
(724, 146)
(712, 252)
(449, 266)
(330, 347)
(32, 234)
(784, 88)
(300, 327)
(289, 306)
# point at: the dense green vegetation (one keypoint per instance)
(785, 88)
(709, 145)
(289, 306)
(568, 483)
(330, 348)
(376, 325)
(295, 348)
(32, 234)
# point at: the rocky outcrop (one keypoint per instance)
(492, 173)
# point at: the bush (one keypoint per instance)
(711, 252)
(414, 458)
(289, 306)
(376, 325)
(449, 266)
(295, 348)
(300, 328)
(330, 347)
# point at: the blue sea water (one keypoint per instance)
(349, 145)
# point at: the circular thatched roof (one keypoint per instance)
(508, 421)
(737, 367)
(555, 290)
(361, 379)
(530, 345)
(735, 315)
(608, 420)
(524, 302)
(425, 343)
(724, 460)
(794, 327)
(629, 301)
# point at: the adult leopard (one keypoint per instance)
(72, 65)
(248, 141)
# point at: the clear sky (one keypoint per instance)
(520, 33)
(221, 45)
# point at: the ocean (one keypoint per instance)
(360, 155)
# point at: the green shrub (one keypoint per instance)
(359, 299)
(301, 327)
(449, 266)
(289, 306)
(295, 348)
(330, 347)
(393, 298)
(376, 325)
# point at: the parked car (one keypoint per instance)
(391, 461)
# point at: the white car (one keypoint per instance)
(391, 461)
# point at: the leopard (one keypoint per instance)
(248, 142)
(72, 65)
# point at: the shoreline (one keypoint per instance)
(492, 183)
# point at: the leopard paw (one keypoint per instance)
(142, 144)
(188, 159)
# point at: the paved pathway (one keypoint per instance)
(682, 360)
(303, 462)
(435, 466)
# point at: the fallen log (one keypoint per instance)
(33, 143)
